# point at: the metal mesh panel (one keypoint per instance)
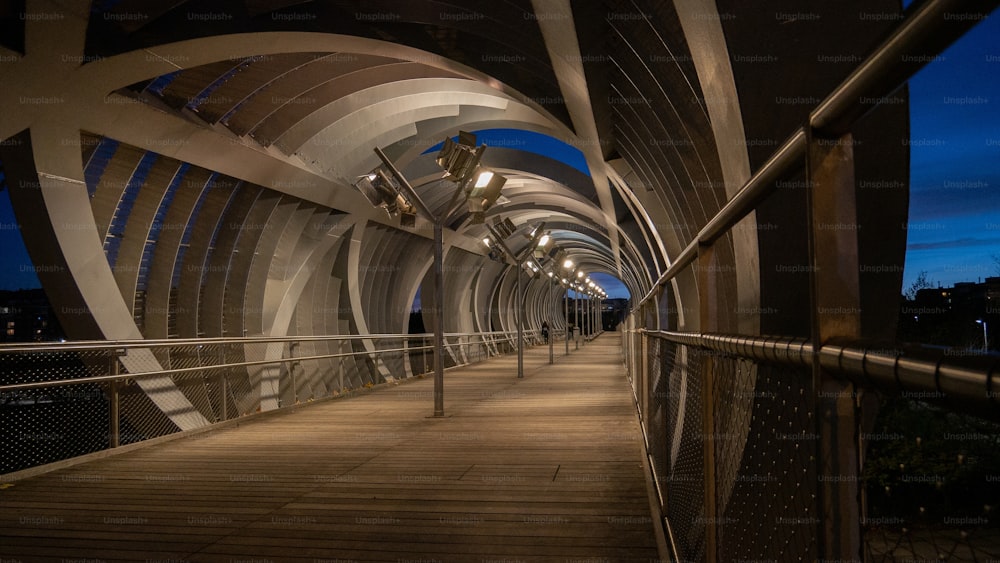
(762, 440)
(48, 424)
(686, 485)
(932, 485)
(140, 418)
(392, 360)
(765, 469)
(45, 425)
(53, 365)
(661, 361)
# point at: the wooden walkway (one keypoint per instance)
(546, 468)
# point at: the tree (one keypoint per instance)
(922, 282)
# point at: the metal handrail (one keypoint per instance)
(933, 374)
(76, 345)
(181, 371)
(916, 41)
(118, 345)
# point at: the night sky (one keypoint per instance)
(954, 228)
(954, 225)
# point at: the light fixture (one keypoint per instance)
(487, 241)
(484, 193)
(504, 228)
(579, 274)
(567, 264)
(382, 192)
(541, 248)
(460, 159)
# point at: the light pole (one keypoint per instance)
(552, 322)
(986, 343)
(536, 236)
(576, 317)
(566, 316)
(461, 162)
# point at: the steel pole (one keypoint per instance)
(519, 308)
(552, 324)
(438, 319)
(566, 315)
(576, 319)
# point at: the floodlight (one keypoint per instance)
(408, 217)
(460, 159)
(485, 191)
(483, 180)
(504, 228)
(382, 192)
(542, 246)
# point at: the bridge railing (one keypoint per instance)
(63, 400)
(757, 444)
(746, 404)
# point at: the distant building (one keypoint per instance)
(27, 316)
(953, 316)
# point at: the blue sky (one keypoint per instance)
(955, 162)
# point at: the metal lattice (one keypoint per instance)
(931, 485)
(686, 483)
(153, 388)
(762, 447)
(766, 474)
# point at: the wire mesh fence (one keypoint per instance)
(744, 486)
(932, 485)
(59, 401)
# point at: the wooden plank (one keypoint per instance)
(545, 468)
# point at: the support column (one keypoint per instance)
(566, 313)
(519, 309)
(836, 314)
(438, 319)
(708, 297)
(552, 325)
(576, 320)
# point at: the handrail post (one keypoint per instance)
(114, 430)
(836, 314)
(551, 336)
(566, 314)
(576, 321)
(291, 371)
(223, 383)
(709, 299)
